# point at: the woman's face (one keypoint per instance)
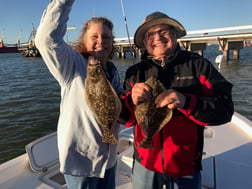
(99, 41)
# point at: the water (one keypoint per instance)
(30, 97)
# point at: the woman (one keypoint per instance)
(85, 160)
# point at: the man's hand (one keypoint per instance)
(140, 93)
(170, 98)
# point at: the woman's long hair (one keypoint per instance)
(80, 47)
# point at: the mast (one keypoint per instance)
(2, 38)
(19, 37)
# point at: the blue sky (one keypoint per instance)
(17, 16)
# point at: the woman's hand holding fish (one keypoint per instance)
(170, 98)
(140, 93)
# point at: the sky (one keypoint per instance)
(18, 16)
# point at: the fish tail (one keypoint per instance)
(109, 137)
(146, 143)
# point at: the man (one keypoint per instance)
(195, 91)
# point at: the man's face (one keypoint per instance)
(160, 41)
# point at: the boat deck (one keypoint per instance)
(226, 160)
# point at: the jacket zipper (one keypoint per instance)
(162, 150)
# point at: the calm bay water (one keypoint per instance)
(30, 97)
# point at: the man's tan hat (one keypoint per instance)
(154, 19)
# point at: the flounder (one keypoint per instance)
(149, 118)
(102, 99)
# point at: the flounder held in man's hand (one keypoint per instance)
(149, 118)
(102, 99)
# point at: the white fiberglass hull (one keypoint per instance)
(227, 160)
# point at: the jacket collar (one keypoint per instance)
(161, 61)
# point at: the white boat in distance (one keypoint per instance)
(227, 160)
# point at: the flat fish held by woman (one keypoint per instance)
(149, 118)
(102, 99)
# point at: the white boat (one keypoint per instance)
(227, 160)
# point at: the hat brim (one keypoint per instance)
(139, 34)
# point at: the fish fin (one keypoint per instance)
(109, 137)
(146, 143)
